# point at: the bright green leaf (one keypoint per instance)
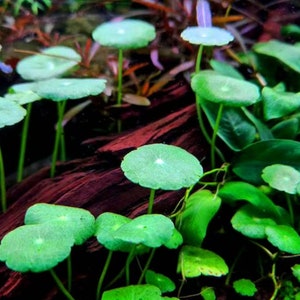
(215, 87)
(199, 210)
(35, 248)
(194, 261)
(160, 166)
(175, 240)
(126, 34)
(296, 271)
(282, 178)
(208, 293)
(284, 237)
(245, 287)
(152, 230)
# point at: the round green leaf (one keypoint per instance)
(244, 287)
(35, 248)
(10, 112)
(150, 230)
(175, 240)
(249, 162)
(160, 166)
(194, 262)
(59, 89)
(106, 225)
(278, 104)
(133, 292)
(284, 237)
(218, 88)
(282, 178)
(164, 283)
(126, 34)
(51, 62)
(251, 222)
(77, 222)
(193, 221)
(207, 36)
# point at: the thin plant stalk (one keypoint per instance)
(59, 131)
(291, 209)
(147, 265)
(2, 184)
(214, 136)
(127, 265)
(151, 201)
(120, 83)
(23, 143)
(61, 107)
(103, 274)
(61, 286)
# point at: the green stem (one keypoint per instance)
(291, 209)
(61, 108)
(147, 265)
(2, 184)
(276, 284)
(60, 285)
(151, 201)
(127, 265)
(199, 59)
(120, 83)
(103, 274)
(23, 143)
(213, 140)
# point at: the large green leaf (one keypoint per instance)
(194, 261)
(285, 53)
(35, 248)
(218, 88)
(193, 221)
(235, 129)
(164, 283)
(161, 166)
(249, 162)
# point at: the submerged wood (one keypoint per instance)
(95, 183)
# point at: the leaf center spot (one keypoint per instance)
(159, 161)
(39, 241)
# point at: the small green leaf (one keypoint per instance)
(160, 166)
(199, 210)
(249, 162)
(35, 248)
(77, 222)
(208, 293)
(207, 36)
(215, 87)
(164, 283)
(133, 292)
(175, 240)
(106, 225)
(251, 222)
(296, 271)
(194, 261)
(10, 112)
(151, 230)
(225, 69)
(52, 62)
(286, 129)
(282, 178)
(23, 97)
(126, 34)
(279, 104)
(284, 237)
(59, 89)
(244, 287)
